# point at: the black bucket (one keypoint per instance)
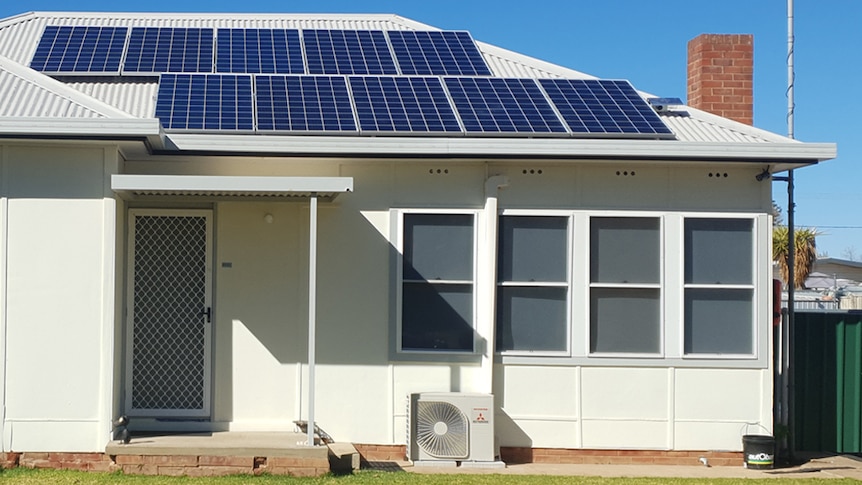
(758, 451)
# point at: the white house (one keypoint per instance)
(187, 201)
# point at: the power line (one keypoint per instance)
(818, 226)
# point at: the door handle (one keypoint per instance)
(208, 312)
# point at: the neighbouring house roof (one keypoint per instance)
(839, 262)
(27, 96)
(841, 272)
(819, 281)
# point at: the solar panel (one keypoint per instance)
(402, 104)
(498, 105)
(80, 49)
(165, 49)
(303, 104)
(347, 52)
(434, 52)
(270, 51)
(603, 106)
(205, 102)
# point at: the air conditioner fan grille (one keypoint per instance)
(441, 430)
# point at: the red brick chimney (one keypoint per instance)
(721, 75)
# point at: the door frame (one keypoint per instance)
(206, 411)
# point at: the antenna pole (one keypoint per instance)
(791, 237)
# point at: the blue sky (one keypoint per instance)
(645, 42)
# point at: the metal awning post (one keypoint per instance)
(312, 309)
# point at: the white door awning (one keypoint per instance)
(228, 187)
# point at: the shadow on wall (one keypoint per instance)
(509, 433)
(262, 279)
(55, 173)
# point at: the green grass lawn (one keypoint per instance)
(32, 477)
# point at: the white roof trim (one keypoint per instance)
(61, 90)
(216, 15)
(84, 128)
(229, 186)
(507, 147)
(21, 17)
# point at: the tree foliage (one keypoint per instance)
(805, 252)
(777, 216)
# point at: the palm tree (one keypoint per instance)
(805, 253)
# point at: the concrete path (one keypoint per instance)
(823, 468)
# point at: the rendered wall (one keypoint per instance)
(58, 300)
(261, 311)
(631, 408)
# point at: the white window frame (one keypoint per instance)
(570, 223)
(672, 294)
(398, 216)
(660, 286)
(753, 286)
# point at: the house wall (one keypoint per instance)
(58, 246)
(62, 378)
(838, 270)
(669, 402)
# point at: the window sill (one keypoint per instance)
(435, 356)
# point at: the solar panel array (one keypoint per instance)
(601, 106)
(343, 82)
(80, 49)
(498, 105)
(154, 50)
(168, 49)
(336, 104)
(347, 52)
(447, 53)
(403, 104)
(268, 51)
(205, 102)
(303, 104)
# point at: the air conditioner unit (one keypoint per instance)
(448, 428)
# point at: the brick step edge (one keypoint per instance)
(618, 457)
(172, 465)
(515, 455)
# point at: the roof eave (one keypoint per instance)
(795, 153)
(215, 187)
(148, 130)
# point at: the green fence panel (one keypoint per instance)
(827, 359)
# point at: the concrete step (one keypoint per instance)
(343, 458)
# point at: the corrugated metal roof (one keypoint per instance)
(137, 98)
(19, 36)
(687, 128)
(28, 93)
(41, 102)
(691, 124)
(24, 93)
(506, 63)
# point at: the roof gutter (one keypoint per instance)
(147, 130)
(522, 148)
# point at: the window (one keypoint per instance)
(618, 287)
(437, 282)
(625, 285)
(719, 286)
(533, 288)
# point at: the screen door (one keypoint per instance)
(169, 314)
